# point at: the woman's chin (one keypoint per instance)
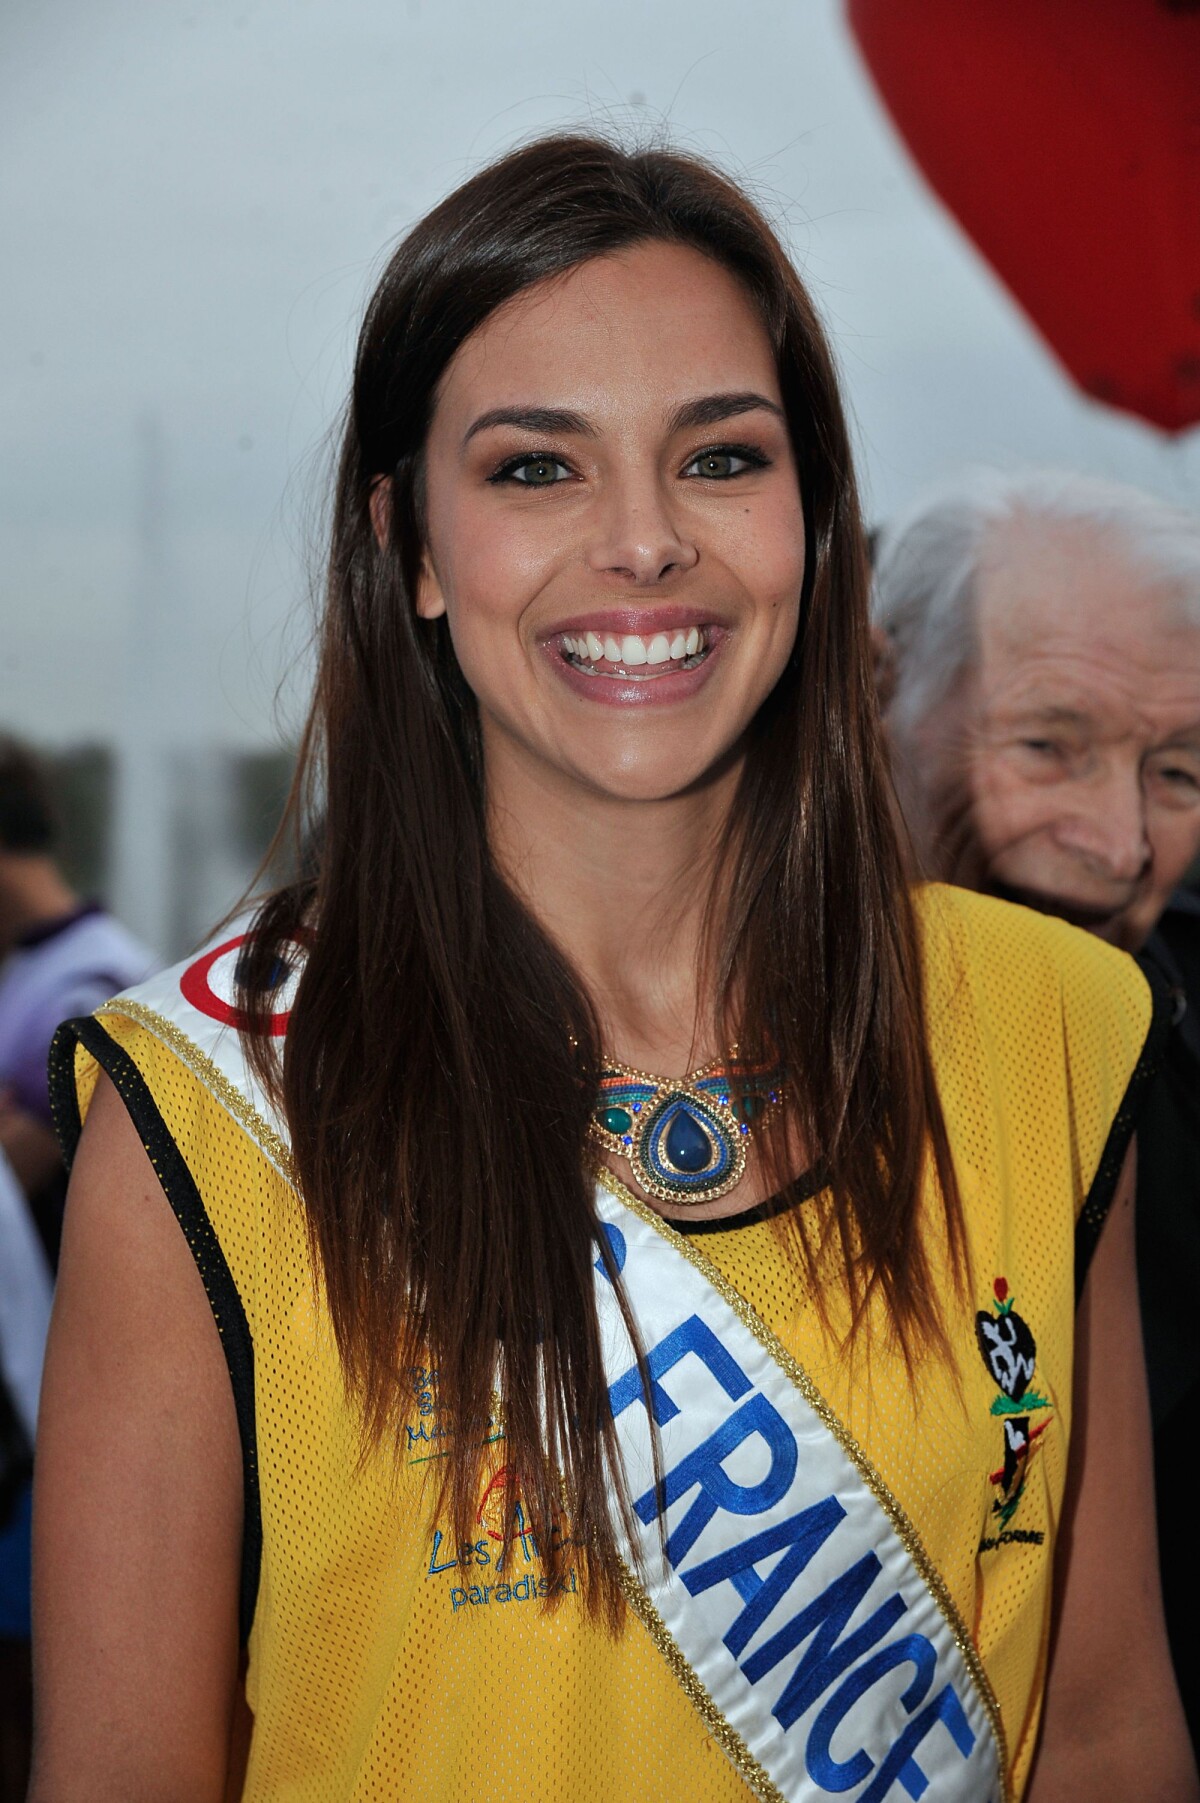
(650, 780)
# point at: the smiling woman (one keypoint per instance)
(633, 1349)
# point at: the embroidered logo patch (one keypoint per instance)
(1008, 1349)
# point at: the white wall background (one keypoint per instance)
(194, 195)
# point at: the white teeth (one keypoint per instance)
(632, 650)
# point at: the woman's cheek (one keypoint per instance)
(499, 569)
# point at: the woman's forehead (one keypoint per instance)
(641, 328)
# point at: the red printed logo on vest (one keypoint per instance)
(210, 984)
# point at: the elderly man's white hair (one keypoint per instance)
(926, 563)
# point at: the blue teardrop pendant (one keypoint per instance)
(685, 1144)
(686, 1140)
(685, 1147)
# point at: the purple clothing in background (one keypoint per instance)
(70, 967)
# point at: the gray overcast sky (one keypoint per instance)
(194, 196)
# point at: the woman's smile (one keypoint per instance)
(629, 657)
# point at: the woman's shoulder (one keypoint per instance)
(174, 1052)
(175, 1048)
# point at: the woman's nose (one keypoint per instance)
(638, 536)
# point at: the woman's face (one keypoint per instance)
(614, 524)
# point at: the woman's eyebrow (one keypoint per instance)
(532, 419)
(711, 409)
(704, 410)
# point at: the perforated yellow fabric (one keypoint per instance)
(385, 1662)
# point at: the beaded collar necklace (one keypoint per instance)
(684, 1140)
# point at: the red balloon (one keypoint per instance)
(1065, 136)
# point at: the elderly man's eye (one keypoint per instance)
(1181, 778)
(1049, 748)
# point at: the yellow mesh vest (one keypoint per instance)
(387, 1662)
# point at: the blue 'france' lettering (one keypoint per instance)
(690, 1336)
(900, 1764)
(802, 1535)
(833, 1657)
(615, 1240)
(828, 1657)
(844, 1774)
(704, 1469)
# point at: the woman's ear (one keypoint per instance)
(431, 603)
(380, 504)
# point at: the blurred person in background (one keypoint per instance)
(60, 955)
(1040, 667)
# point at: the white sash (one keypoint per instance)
(793, 1600)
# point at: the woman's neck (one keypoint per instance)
(622, 887)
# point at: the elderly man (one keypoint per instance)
(1040, 666)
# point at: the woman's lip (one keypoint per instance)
(637, 622)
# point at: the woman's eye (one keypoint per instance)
(722, 462)
(537, 470)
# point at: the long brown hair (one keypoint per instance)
(442, 1057)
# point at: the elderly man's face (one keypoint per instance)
(1064, 770)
